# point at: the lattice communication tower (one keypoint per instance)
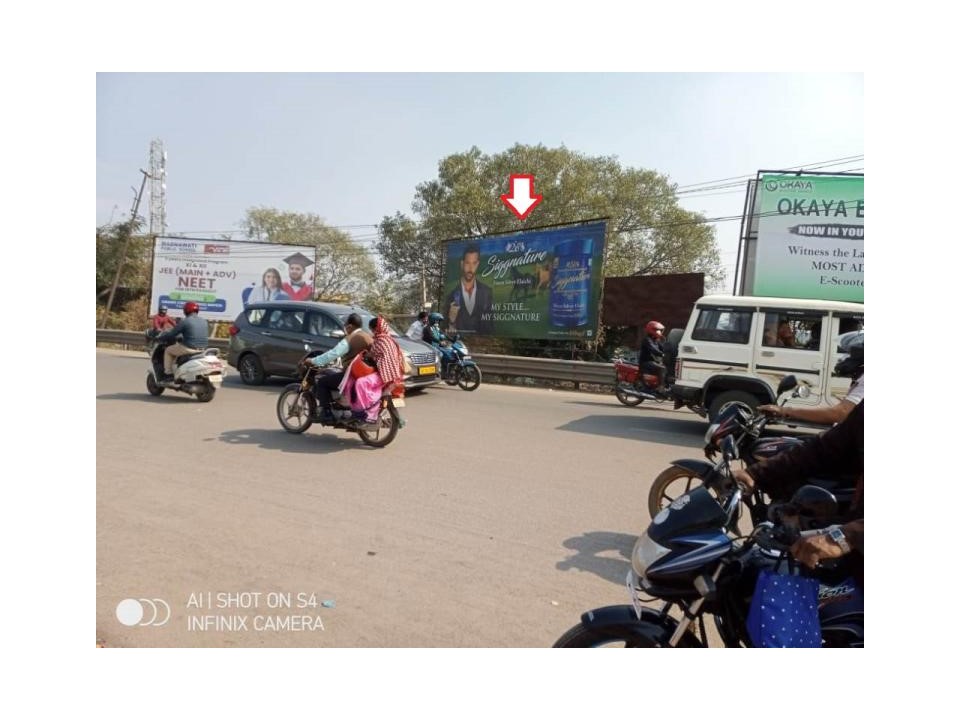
(158, 188)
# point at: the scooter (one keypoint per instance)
(199, 374)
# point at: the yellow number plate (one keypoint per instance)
(427, 370)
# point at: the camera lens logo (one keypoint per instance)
(131, 612)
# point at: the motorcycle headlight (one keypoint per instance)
(645, 553)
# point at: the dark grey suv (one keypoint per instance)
(268, 338)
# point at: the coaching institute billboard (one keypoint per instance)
(223, 276)
(541, 284)
(810, 237)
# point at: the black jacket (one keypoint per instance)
(650, 350)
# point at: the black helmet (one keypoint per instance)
(852, 365)
(435, 318)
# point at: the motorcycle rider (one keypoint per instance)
(839, 449)
(356, 341)
(851, 367)
(193, 334)
(651, 352)
(433, 335)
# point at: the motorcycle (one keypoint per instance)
(199, 374)
(634, 386)
(689, 560)
(461, 368)
(746, 428)
(298, 409)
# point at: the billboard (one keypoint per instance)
(809, 237)
(224, 275)
(540, 284)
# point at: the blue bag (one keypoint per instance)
(783, 611)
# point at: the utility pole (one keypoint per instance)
(123, 250)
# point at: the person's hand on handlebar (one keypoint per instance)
(743, 479)
(813, 549)
(778, 411)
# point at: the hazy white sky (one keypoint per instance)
(352, 147)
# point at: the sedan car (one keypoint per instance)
(269, 338)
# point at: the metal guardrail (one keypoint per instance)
(574, 371)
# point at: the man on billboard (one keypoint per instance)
(469, 306)
(298, 288)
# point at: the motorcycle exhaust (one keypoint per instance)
(633, 392)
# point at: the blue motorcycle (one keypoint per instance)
(460, 367)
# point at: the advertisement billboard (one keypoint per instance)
(224, 275)
(540, 284)
(809, 237)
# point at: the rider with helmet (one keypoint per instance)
(193, 334)
(850, 366)
(651, 351)
(433, 335)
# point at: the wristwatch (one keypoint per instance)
(836, 534)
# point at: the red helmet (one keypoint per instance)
(190, 308)
(655, 329)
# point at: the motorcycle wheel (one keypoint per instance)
(668, 486)
(389, 425)
(469, 378)
(619, 636)
(295, 410)
(207, 392)
(152, 386)
(628, 400)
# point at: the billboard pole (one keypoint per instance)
(123, 250)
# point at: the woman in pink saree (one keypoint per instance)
(365, 390)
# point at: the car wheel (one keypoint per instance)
(731, 397)
(251, 370)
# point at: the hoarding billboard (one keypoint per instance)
(540, 284)
(809, 237)
(224, 275)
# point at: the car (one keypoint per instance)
(269, 338)
(737, 349)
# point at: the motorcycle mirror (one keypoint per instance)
(813, 501)
(788, 383)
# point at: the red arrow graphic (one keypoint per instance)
(521, 199)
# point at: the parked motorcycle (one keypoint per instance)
(634, 386)
(298, 409)
(746, 428)
(689, 560)
(461, 370)
(199, 374)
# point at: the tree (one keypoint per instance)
(648, 232)
(135, 273)
(344, 272)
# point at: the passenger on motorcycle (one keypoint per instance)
(193, 334)
(356, 341)
(433, 335)
(852, 367)
(651, 352)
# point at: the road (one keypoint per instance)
(493, 520)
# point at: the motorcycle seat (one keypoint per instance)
(187, 358)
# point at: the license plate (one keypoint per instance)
(399, 402)
(427, 370)
(215, 379)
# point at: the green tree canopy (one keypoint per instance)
(135, 273)
(345, 271)
(649, 233)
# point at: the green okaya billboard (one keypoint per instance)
(810, 237)
(539, 284)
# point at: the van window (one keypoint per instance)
(255, 315)
(321, 325)
(723, 325)
(286, 320)
(793, 330)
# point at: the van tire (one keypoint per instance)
(730, 397)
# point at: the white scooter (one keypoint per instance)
(199, 374)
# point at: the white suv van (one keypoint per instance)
(736, 349)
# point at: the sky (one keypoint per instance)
(351, 147)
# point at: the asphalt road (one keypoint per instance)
(494, 519)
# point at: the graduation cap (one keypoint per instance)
(298, 259)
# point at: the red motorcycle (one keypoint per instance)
(633, 386)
